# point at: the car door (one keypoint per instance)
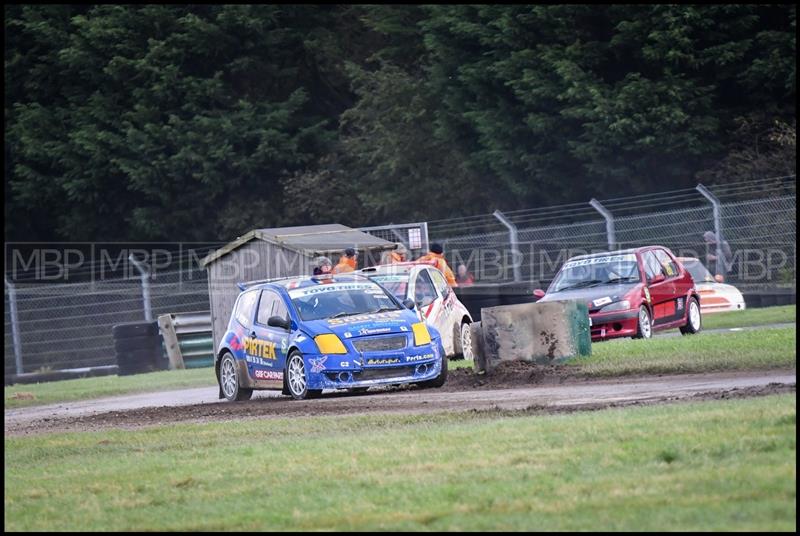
(675, 307)
(447, 315)
(430, 303)
(269, 343)
(659, 288)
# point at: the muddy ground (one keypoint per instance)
(514, 386)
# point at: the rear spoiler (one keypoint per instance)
(244, 285)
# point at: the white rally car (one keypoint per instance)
(435, 301)
(715, 296)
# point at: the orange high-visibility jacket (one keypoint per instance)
(437, 259)
(345, 265)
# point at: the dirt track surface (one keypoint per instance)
(517, 387)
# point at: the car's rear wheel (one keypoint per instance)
(466, 341)
(297, 378)
(644, 329)
(229, 380)
(694, 321)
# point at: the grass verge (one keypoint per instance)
(751, 317)
(705, 466)
(705, 352)
(17, 396)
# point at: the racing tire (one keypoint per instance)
(694, 321)
(439, 380)
(297, 378)
(644, 324)
(134, 329)
(465, 338)
(144, 342)
(229, 380)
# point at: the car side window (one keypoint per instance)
(244, 307)
(668, 266)
(424, 291)
(651, 265)
(279, 309)
(439, 282)
(265, 306)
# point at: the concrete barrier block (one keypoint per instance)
(543, 333)
(478, 353)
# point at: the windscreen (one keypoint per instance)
(699, 272)
(397, 284)
(596, 271)
(334, 300)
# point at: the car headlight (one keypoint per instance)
(618, 306)
(328, 343)
(421, 334)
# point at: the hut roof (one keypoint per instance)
(307, 239)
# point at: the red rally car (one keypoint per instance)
(630, 293)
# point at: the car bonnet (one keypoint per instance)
(397, 321)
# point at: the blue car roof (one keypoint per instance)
(303, 281)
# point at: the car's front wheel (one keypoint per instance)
(297, 378)
(229, 380)
(693, 319)
(644, 329)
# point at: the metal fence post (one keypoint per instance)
(512, 237)
(720, 264)
(612, 237)
(145, 275)
(12, 302)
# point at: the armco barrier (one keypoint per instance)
(187, 339)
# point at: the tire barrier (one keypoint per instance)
(480, 296)
(543, 333)
(138, 348)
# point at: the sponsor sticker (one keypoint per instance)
(368, 331)
(267, 374)
(680, 304)
(601, 301)
(309, 291)
(601, 260)
(387, 361)
(412, 358)
(318, 364)
(259, 348)
(373, 317)
(347, 334)
(257, 360)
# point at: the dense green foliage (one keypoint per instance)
(201, 122)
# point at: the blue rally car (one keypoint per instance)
(306, 334)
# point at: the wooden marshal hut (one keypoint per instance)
(278, 252)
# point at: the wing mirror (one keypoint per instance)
(278, 322)
(539, 293)
(409, 303)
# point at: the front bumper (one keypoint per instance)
(413, 365)
(612, 325)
